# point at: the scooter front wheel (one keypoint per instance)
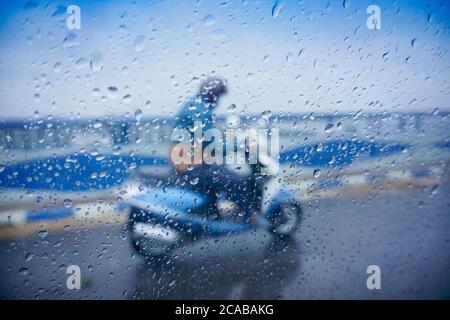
(148, 238)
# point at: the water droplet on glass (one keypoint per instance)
(435, 189)
(81, 63)
(97, 124)
(112, 92)
(329, 128)
(138, 114)
(96, 63)
(71, 40)
(57, 67)
(23, 271)
(231, 108)
(266, 115)
(319, 147)
(316, 173)
(277, 8)
(435, 112)
(127, 98)
(209, 20)
(139, 43)
(67, 203)
(218, 34)
(42, 233)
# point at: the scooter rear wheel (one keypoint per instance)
(287, 219)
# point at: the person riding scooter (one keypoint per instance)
(180, 207)
(209, 179)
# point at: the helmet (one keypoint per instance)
(213, 87)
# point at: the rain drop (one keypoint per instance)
(435, 190)
(43, 233)
(23, 271)
(127, 98)
(329, 128)
(266, 115)
(96, 63)
(231, 108)
(139, 43)
(138, 114)
(218, 34)
(316, 173)
(81, 63)
(277, 8)
(97, 124)
(209, 20)
(319, 147)
(112, 92)
(67, 203)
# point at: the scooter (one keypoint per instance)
(164, 217)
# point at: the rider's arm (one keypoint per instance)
(181, 152)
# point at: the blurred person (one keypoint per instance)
(199, 109)
(211, 179)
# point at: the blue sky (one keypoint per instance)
(315, 56)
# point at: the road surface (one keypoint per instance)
(405, 233)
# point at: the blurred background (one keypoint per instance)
(364, 123)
